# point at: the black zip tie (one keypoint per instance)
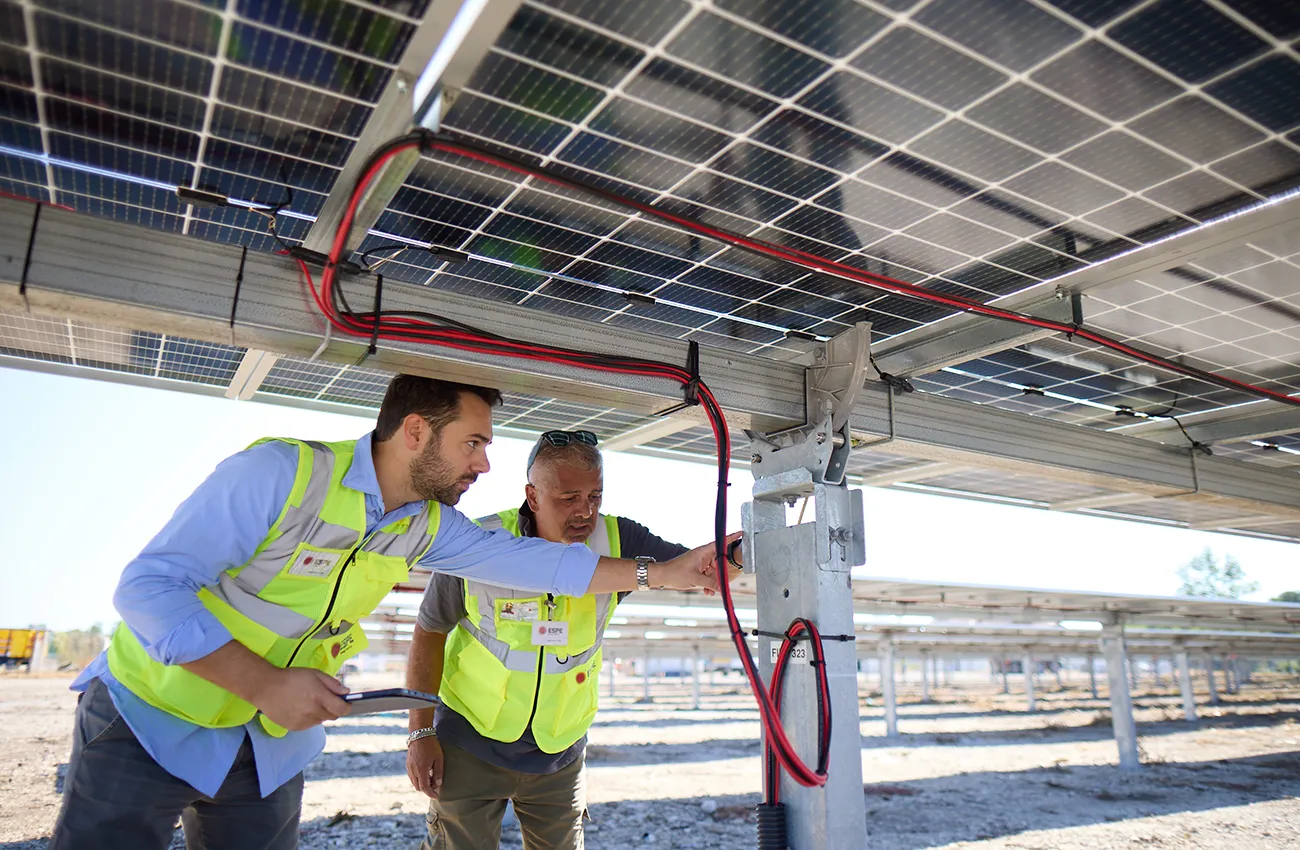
(802, 636)
(1076, 315)
(239, 283)
(692, 388)
(27, 262)
(374, 331)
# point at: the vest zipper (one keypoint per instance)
(541, 662)
(329, 609)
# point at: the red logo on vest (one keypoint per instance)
(307, 560)
(334, 650)
(580, 678)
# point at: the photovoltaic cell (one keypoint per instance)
(971, 147)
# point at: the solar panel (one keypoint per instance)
(975, 147)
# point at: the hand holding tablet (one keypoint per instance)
(388, 699)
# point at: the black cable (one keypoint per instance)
(348, 322)
(365, 257)
(27, 260)
(897, 384)
(1195, 444)
(239, 284)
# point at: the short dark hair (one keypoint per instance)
(437, 401)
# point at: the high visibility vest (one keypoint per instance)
(299, 599)
(497, 679)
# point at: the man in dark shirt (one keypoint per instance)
(512, 726)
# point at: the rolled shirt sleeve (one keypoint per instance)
(442, 605)
(463, 549)
(219, 526)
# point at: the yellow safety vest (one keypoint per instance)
(299, 599)
(498, 680)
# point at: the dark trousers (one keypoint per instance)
(468, 812)
(116, 797)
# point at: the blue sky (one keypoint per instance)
(92, 470)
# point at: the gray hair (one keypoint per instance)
(575, 454)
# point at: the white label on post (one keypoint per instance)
(799, 653)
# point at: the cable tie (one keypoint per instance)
(375, 322)
(317, 258)
(692, 391)
(239, 284)
(801, 637)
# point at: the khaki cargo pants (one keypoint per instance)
(467, 814)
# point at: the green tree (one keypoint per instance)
(1287, 596)
(1205, 576)
(78, 648)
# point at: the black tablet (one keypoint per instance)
(388, 699)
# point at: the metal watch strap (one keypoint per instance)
(643, 572)
(426, 732)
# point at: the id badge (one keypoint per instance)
(511, 610)
(548, 633)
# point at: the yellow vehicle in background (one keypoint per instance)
(17, 646)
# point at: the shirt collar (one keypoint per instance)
(361, 474)
(527, 521)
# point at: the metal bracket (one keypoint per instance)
(835, 382)
(806, 447)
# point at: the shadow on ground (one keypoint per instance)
(908, 815)
(353, 764)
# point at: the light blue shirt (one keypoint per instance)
(218, 527)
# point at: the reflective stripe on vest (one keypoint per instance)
(491, 667)
(298, 601)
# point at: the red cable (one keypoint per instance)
(38, 201)
(410, 329)
(813, 262)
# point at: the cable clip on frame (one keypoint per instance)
(691, 390)
(374, 333)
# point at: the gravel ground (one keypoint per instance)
(970, 769)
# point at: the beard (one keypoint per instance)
(433, 479)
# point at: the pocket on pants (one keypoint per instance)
(436, 839)
(98, 717)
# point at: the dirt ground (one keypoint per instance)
(970, 769)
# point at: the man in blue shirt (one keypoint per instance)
(136, 766)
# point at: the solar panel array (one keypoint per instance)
(976, 147)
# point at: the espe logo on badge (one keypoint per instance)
(315, 564)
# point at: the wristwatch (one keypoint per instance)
(731, 554)
(643, 572)
(426, 732)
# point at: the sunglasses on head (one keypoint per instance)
(560, 439)
(563, 438)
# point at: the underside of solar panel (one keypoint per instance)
(1128, 166)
